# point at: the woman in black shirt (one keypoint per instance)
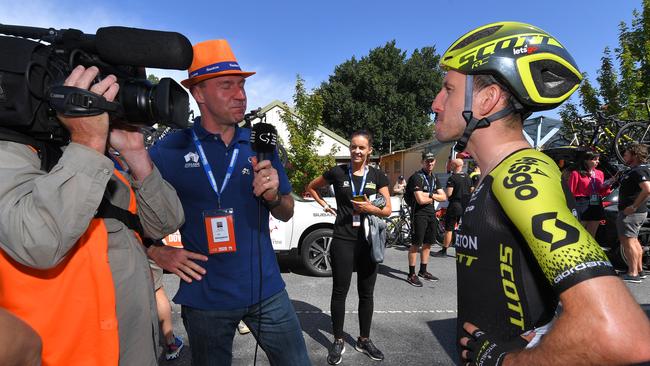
(354, 185)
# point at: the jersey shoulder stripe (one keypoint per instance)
(528, 186)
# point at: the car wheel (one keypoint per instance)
(315, 252)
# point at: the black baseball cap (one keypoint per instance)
(428, 156)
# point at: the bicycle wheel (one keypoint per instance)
(391, 234)
(403, 233)
(632, 132)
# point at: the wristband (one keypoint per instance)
(326, 207)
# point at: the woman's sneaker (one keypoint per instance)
(336, 350)
(366, 346)
(173, 350)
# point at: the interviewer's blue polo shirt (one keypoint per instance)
(232, 280)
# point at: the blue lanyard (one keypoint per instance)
(208, 170)
(593, 183)
(363, 182)
(427, 180)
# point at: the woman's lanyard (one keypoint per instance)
(363, 182)
(592, 179)
(208, 169)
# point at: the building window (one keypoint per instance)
(397, 166)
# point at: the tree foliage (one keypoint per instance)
(385, 93)
(619, 92)
(302, 124)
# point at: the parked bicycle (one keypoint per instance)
(633, 132)
(398, 230)
(606, 134)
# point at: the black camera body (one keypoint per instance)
(36, 61)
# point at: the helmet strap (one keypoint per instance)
(468, 115)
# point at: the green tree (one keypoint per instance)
(385, 93)
(622, 91)
(153, 79)
(302, 124)
(608, 81)
(588, 96)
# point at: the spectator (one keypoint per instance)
(426, 191)
(172, 344)
(459, 191)
(353, 184)
(400, 186)
(475, 176)
(632, 209)
(587, 186)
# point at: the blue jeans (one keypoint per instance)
(211, 332)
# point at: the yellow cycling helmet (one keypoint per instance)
(535, 68)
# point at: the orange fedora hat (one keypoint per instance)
(211, 59)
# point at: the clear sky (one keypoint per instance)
(280, 39)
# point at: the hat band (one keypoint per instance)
(215, 68)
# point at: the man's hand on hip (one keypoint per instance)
(178, 261)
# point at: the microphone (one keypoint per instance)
(263, 140)
(142, 47)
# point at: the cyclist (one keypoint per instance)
(426, 191)
(519, 248)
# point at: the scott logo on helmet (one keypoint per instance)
(520, 177)
(515, 42)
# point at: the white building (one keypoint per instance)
(273, 112)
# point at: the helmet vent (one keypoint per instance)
(486, 32)
(552, 79)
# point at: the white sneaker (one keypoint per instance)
(243, 328)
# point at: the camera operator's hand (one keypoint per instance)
(90, 131)
(129, 141)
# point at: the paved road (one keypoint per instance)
(412, 326)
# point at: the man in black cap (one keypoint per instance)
(425, 190)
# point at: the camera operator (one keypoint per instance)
(76, 275)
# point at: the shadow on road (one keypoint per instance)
(317, 324)
(445, 331)
(391, 272)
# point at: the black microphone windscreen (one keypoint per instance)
(142, 47)
(264, 137)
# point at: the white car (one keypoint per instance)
(308, 234)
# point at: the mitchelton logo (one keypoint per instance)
(568, 233)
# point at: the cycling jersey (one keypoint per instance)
(519, 246)
(421, 182)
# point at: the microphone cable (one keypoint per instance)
(259, 251)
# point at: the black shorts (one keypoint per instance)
(452, 215)
(424, 230)
(587, 212)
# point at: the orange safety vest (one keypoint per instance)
(71, 306)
